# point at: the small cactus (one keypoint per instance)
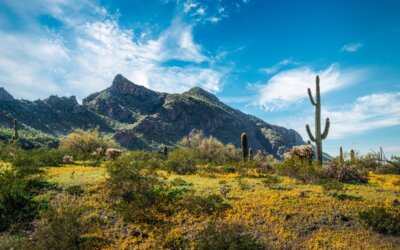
(245, 150)
(341, 158)
(352, 157)
(251, 154)
(15, 136)
(165, 151)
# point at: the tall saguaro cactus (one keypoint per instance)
(341, 158)
(245, 149)
(318, 135)
(15, 136)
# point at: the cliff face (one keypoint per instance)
(140, 118)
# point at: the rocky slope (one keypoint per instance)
(140, 118)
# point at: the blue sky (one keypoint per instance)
(258, 56)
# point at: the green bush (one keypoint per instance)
(382, 220)
(17, 205)
(204, 205)
(300, 169)
(62, 229)
(135, 187)
(38, 158)
(210, 149)
(368, 162)
(82, 144)
(181, 161)
(74, 190)
(329, 186)
(220, 236)
(271, 181)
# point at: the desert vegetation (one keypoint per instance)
(202, 194)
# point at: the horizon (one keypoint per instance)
(262, 68)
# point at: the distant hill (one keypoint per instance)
(140, 118)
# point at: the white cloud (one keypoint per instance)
(366, 113)
(351, 47)
(290, 86)
(369, 112)
(86, 58)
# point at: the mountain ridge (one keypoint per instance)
(140, 118)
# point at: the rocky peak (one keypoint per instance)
(199, 92)
(121, 85)
(5, 96)
(56, 101)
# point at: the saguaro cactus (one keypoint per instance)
(165, 151)
(318, 135)
(352, 157)
(251, 154)
(15, 136)
(245, 149)
(341, 158)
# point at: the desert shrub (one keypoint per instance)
(368, 162)
(17, 205)
(210, 149)
(382, 220)
(228, 168)
(38, 157)
(301, 169)
(331, 186)
(221, 236)
(181, 161)
(242, 183)
(391, 166)
(62, 228)
(271, 181)
(345, 173)
(180, 182)
(135, 187)
(83, 143)
(204, 205)
(265, 160)
(74, 190)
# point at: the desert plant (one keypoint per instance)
(181, 161)
(15, 128)
(341, 158)
(245, 150)
(38, 157)
(299, 168)
(345, 173)
(74, 190)
(251, 157)
(382, 220)
(63, 228)
(165, 151)
(352, 157)
(318, 135)
(221, 236)
(83, 143)
(17, 203)
(270, 181)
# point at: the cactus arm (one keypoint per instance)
(326, 130)
(311, 97)
(309, 133)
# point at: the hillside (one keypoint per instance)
(140, 118)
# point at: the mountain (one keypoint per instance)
(140, 118)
